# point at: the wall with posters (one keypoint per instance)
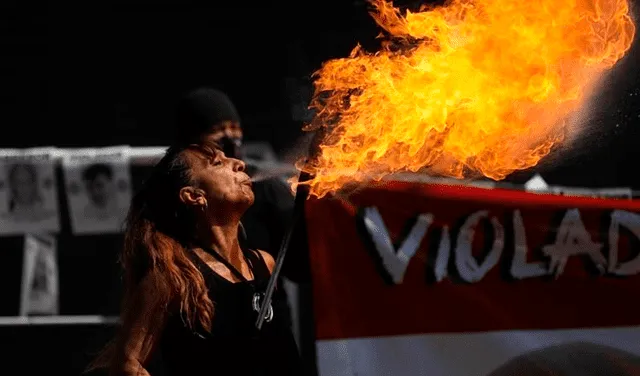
(67, 217)
(423, 279)
(67, 266)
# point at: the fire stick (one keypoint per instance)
(302, 193)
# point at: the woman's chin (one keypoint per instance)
(249, 199)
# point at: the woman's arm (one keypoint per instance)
(142, 324)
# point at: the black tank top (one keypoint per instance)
(233, 347)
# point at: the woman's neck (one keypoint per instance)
(222, 239)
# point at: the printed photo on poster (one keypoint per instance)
(98, 183)
(28, 194)
(40, 293)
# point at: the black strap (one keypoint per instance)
(226, 263)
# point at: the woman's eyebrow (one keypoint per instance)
(207, 151)
(202, 149)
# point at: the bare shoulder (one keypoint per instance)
(268, 259)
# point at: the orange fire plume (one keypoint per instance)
(475, 87)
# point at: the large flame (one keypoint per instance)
(473, 87)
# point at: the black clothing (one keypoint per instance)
(233, 347)
(266, 223)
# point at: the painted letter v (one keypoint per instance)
(395, 263)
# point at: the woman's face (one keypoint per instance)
(225, 184)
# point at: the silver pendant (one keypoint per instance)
(256, 307)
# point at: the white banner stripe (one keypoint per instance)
(473, 354)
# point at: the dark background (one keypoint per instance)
(100, 73)
(105, 73)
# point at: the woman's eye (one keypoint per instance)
(216, 162)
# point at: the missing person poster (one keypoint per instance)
(39, 295)
(28, 194)
(98, 184)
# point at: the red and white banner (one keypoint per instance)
(421, 279)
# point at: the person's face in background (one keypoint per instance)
(100, 190)
(23, 183)
(228, 135)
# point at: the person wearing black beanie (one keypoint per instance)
(208, 116)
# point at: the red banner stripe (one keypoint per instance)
(352, 299)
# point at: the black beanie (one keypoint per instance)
(199, 110)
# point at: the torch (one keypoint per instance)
(302, 193)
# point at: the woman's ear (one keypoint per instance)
(192, 196)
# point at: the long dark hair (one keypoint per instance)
(157, 231)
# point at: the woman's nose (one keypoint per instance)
(238, 165)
